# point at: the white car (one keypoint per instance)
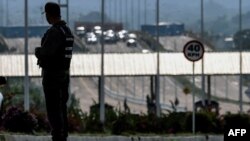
(122, 35)
(91, 38)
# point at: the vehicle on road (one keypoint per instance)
(91, 38)
(131, 40)
(109, 36)
(80, 31)
(97, 30)
(122, 35)
(131, 43)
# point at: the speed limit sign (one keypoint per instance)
(193, 50)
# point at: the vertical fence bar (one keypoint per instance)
(157, 80)
(102, 92)
(26, 78)
(240, 47)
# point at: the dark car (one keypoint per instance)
(131, 40)
(109, 36)
(131, 43)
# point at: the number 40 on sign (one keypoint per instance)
(193, 50)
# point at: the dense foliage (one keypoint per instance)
(15, 119)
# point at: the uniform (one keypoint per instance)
(54, 57)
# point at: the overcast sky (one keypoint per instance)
(169, 8)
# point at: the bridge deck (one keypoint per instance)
(135, 64)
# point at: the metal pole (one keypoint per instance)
(110, 10)
(226, 79)
(66, 5)
(125, 86)
(202, 65)
(157, 80)
(139, 18)
(164, 89)
(67, 12)
(26, 78)
(115, 11)
(145, 11)
(132, 15)
(118, 82)
(240, 28)
(126, 13)
(215, 86)
(175, 89)
(7, 13)
(193, 116)
(143, 85)
(2, 13)
(134, 86)
(102, 92)
(121, 12)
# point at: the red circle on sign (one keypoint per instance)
(193, 50)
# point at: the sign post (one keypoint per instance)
(193, 51)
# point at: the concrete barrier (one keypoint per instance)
(112, 138)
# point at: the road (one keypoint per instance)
(16, 45)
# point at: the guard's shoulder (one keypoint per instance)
(53, 31)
